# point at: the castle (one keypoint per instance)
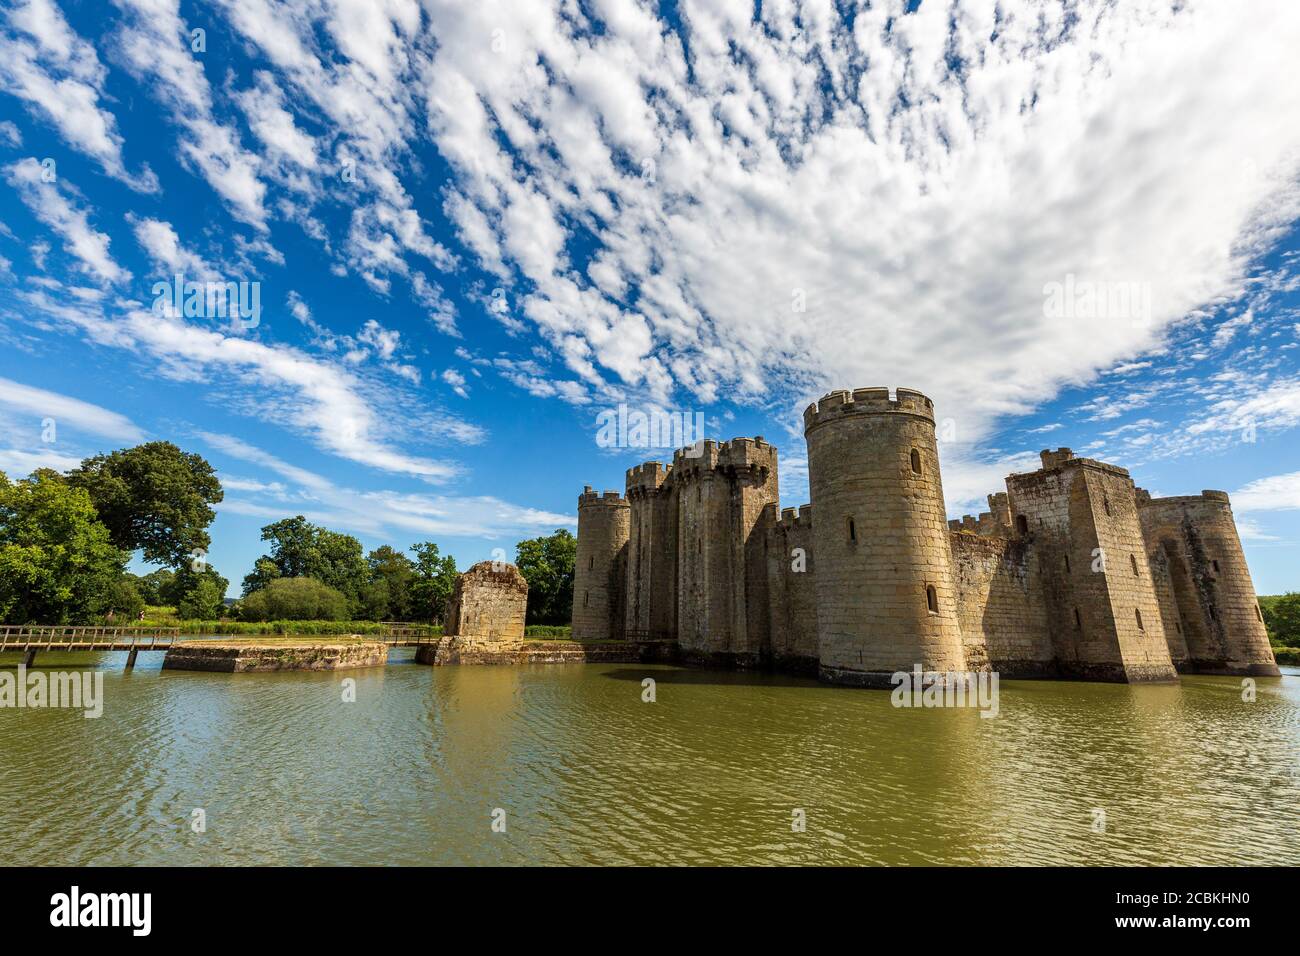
(1072, 573)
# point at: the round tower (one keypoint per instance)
(1219, 612)
(885, 595)
(600, 566)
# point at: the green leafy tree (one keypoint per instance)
(295, 599)
(153, 498)
(391, 575)
(57, 562)
(1282, 618)
(123, 600)
(197, 592)
(300, 549)
(373, 603)
(205, 601)
(435, 574)
(154, 585)
(547, 565)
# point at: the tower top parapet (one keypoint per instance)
(867, 401)
(740, 454)
(589, 498)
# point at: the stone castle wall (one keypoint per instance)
(1103, 613)
(1072, 572)
(885, 594)
(488, 603)
(1001, 611)
(600, 566)
(792, 593)
(1215, 598)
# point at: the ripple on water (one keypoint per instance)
(711, 772)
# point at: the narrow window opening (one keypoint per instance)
(1138, 615)
(931, 599)
(853, 531)
(1132, 559)
(591, 563)
(916, 461)
(1216, 566)
(1067, 564)
(1078, 621)
(586, 598)
(1022, 524)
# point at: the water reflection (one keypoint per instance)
(586, 772)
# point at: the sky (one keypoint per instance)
(466, 231)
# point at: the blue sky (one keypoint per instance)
(475, 227)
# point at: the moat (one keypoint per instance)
(710, 773)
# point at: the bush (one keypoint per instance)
(123, 599)
(1282, 618)
(294, 599)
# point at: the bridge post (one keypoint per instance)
(130, 658)
(30, 657)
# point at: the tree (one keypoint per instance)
(123, 599)
(391, 576)
(57, 563)
(153, 498)
(295, 599)
(300, 549)
(431, 588)
(204, 600)
(547, 565)
(154, 585)
(198, 592)
(1282, 618)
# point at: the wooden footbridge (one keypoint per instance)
(27, 640)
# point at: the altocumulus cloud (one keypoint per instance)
(916, 179)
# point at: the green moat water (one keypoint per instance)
(587, 773)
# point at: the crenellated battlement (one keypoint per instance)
(867, 401)
(647, 478)
(986, 525)
(699, 553)
(589, 498)
(745, 455)
(1208, 496)
(800, 517)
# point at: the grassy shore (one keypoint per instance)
(166, 617)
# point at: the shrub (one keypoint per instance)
(294, 599)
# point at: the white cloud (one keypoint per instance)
(84, 416)
(277, 383)
(59, 76)
(380, 512)
(1275, 493)
(456, 381)
(919, 208)
(48, 204)
(17, 463)
(154, 43)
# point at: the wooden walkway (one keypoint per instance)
(27, 640)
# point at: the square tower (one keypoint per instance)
(1102, 606)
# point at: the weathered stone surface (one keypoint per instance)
(1070, 573)
(240, 656)
(465, 651)
(488, 603)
